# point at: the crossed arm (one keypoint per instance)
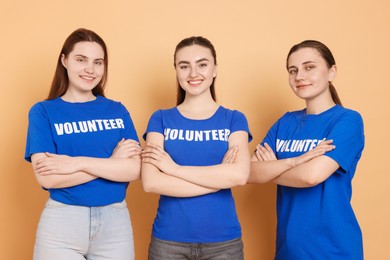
(161, 175)
(61, 171)
(307, 170)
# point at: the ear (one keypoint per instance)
(63, 60)
(332, 73)
(215, 71)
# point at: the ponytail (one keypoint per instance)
(334, 94)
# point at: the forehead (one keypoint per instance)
(88, 49)
(194, 52)
(304, 55)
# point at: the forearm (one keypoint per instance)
(221, 176)
(160, 183)
(308, 174)
(266, 171)
(114, 169)
(63, 181)
(224, 175)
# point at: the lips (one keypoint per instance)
(195, 82)
(302, 85)
(87, 78)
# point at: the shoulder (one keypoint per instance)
(231, 112)
(42, 106)
(164, 112)
(109, 104)
(347, 114)
(292, 115)
(105, 100)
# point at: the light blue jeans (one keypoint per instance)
(67, 232)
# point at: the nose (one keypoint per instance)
(193, 72)
(88, 67)
(300, 75)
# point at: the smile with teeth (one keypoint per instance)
(195, 82)
(87, 77)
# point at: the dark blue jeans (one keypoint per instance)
(168, 250)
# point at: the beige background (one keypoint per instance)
(252, 39)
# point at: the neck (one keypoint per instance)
(198, 107)
(78, 97)
(318, 107)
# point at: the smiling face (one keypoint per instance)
(195, 70)
(85, 67)
(309, 74)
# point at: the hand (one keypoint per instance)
(127, 149)
(264, 153)
(320, 149)
(56, 164)
(156, 155)
(231, 154)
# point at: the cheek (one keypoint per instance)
(100, 71)
(209, 74)
(291, 81)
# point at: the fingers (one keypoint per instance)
(324, 146)
(151, 152)
(264, 153)
(127, 149)
(258, 155)
(230, 155)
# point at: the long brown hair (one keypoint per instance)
(326, 54)
(60, 81)
(194, 40)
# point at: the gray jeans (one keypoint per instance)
(164, 250)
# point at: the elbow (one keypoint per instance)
(254, 179)
(310, 182)
(134, 173)
(242, 178)
(148, 184)
(45, 181)
(149, 187)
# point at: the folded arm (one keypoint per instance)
(156, 181)
(220, 176)
(308, 174)
(60, 171)
(266, 168)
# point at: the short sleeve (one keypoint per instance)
(39, 136)
(130, 131)
(240, 123)
(348, 137)
(155, 124)
(271, 136)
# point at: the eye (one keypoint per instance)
(99, 63)
(309, 67)
(292, 71)
(203, 65)
(183, 67)
(80, 59)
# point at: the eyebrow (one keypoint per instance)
(187, 62)
(85, 57)
(306, 62)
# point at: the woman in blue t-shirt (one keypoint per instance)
(312, 155)
(84, 151)
(187, 160)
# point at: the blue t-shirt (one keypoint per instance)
(91, 129)
(319, 222)
(206, 218)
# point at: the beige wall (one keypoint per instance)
(252, 39)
